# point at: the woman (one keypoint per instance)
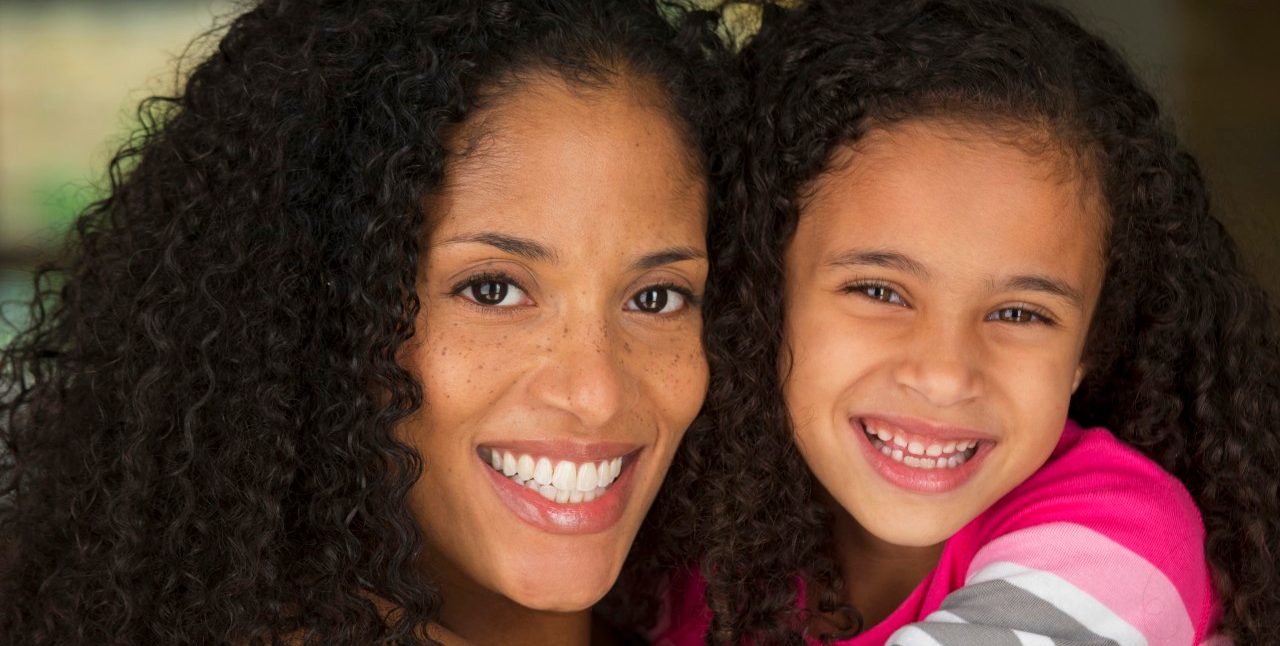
(387, 331)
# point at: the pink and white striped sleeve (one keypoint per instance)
(1099, 547)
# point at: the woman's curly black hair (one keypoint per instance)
(198, 424)
(1183, 358)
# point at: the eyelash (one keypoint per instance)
(1040, 316)
(860, 287)
(691, 301)
(486, 277)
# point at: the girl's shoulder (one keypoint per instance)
(685, 617)
(1104, 532)
(1097, 482)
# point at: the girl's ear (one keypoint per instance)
(1080, 372)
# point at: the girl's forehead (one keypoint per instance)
(962, 205)
(1011, 169)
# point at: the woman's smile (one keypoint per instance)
(559, 487)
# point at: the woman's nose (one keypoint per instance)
(584, 376)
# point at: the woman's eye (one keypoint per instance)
(1016, 315)
(882, 293)
(658, 300)
(494, 293)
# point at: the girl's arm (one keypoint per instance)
(1058, 583)
(1100, 546)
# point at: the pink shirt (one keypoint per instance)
(1100, 545)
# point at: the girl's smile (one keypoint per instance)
(939, 289)
(921, 456)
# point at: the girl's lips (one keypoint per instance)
(918, 479)
(586, 517)
(923, 428)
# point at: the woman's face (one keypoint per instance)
(559, 343)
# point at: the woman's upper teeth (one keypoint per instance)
(557, 480)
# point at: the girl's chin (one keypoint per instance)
(905, 535)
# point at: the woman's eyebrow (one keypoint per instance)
(533, 250)
(514, 245)
(668, 256)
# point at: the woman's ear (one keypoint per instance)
(1080, 372)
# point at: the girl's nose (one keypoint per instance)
(942, 366)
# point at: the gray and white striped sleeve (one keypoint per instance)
(1058, 584)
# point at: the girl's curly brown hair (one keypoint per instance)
(196, 429)
(1183, 354)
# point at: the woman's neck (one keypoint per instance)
(878, 576)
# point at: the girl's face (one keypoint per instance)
(938, 293)
(559, 342)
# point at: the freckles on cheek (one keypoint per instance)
(454, 362)
(674, 376)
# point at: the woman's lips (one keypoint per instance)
(920, 457)
(583, 490)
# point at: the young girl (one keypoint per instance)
(964, 225)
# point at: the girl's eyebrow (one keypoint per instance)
(1044, 285)
(902, 262)
(879, 258)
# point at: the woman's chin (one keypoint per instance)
(564, 600)
(569, 586)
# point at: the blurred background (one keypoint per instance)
(73, 71)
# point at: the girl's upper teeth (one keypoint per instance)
(562, 481)
(915, 451)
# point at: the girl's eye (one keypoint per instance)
(878, 292)
(493, 292)
(1017, 315)
(658, 299)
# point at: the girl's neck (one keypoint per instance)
(878, 576)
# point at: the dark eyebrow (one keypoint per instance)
(1044, 285)
(901, 262)
(880, 258)
(511, 244)
(668, 256)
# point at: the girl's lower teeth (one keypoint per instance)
(944, 461)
